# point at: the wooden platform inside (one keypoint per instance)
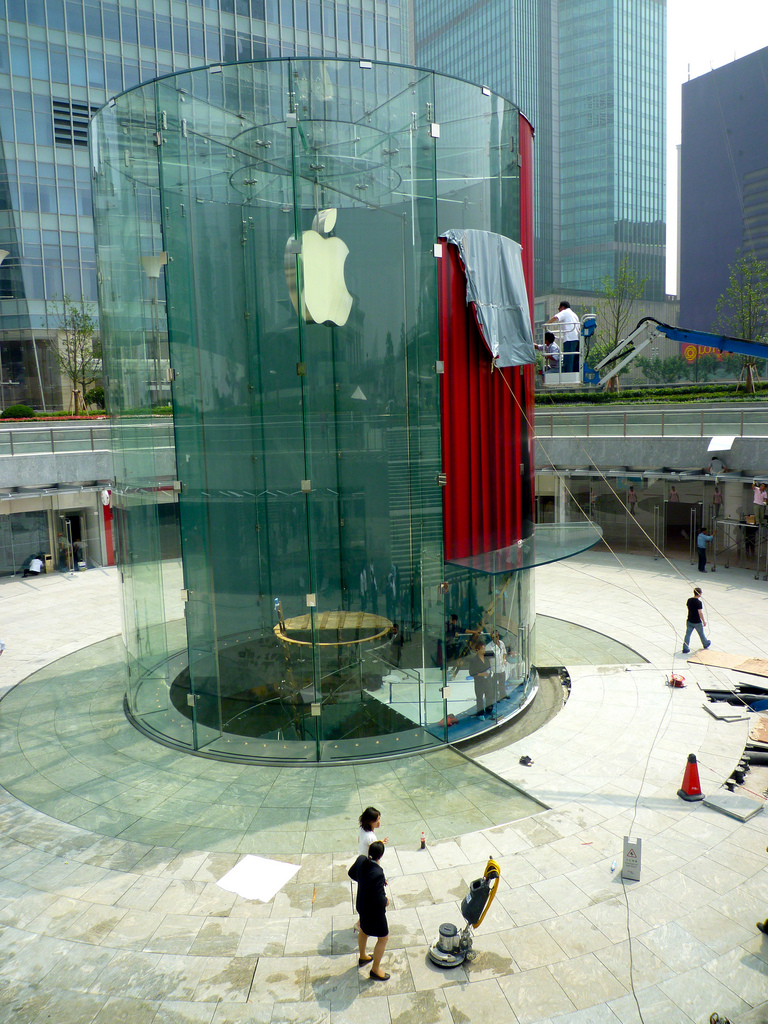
(349, 627)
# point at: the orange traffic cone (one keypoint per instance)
(691, 789)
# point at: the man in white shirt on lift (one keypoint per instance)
(570, 336)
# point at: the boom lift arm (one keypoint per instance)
(702, 339)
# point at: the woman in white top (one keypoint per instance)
(369, 820)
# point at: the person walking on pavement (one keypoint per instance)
(695, 621)
(701, 547)
(371, 905)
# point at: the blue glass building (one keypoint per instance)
(591, 74)
(60, 60)
(724, 156)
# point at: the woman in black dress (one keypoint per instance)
(371, 905)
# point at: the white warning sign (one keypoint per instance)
(632, 855)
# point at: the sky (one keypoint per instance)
(702, 35)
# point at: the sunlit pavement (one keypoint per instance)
(110, 845)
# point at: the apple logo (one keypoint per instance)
(324, 295)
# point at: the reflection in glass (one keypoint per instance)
(291, 321)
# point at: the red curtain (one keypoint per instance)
(484, 436)
(487, 413)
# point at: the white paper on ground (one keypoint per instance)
(256, 878)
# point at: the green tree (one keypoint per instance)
(663, 371)
(742, 309)
(616, 311)
(77, 355)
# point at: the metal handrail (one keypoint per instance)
(659, 421)
(48, 440)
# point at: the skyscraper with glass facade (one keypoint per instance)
(591, 75)
(508, 46)
(725, 157)
(60, 60)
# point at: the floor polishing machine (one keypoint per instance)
(453, 947)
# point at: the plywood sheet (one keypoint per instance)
(758, 731)
(755, 666)
(717, 658)
(720, 659)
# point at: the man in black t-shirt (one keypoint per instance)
(695, 621)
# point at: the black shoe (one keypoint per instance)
(707, 646)
(762, 926)
(379, 977)
(686, 650)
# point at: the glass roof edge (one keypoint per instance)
(216, 64)
(550, 542)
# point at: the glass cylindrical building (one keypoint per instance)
(296, 525)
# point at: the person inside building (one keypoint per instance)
(702, 539)
(482, 677)
(454, 640)
(759, 498)
(571, 328)
(65, 553)
(750, 533)
(396, 644)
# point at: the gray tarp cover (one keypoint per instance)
(495, 283)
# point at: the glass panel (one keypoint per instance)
(488, 649)
(478, 176)
(22, 536)
(126, 189)
(304, 196)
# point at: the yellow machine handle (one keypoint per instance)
(492, 871)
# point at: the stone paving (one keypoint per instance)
(111, 846)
